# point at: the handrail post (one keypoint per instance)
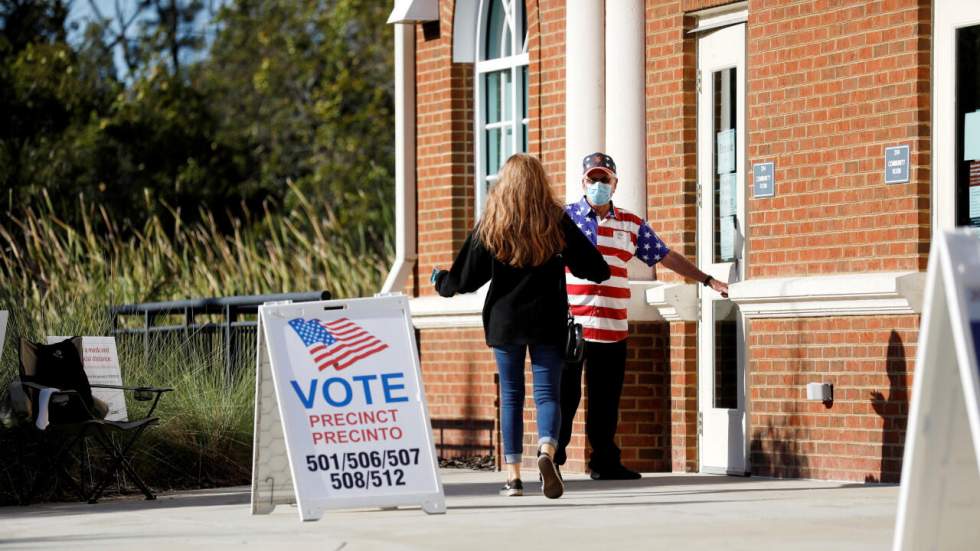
(146, 337)
(227, 343)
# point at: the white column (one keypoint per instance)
(625, 125)
(584, 88)
(405, 204)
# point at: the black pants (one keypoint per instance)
(605, 367)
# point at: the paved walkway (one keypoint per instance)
(662, 511)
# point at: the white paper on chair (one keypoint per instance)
(101, 363)
(43, 402)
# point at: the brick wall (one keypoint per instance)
(644, 409)
(546, 135)
(831, 83)
(860, 436)
(671, 111)
(459, 376)
(444, 121)
(683, 339)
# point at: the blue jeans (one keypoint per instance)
(546, 366)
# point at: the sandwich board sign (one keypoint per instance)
(101, 363)
(939, 500)
(340, 413)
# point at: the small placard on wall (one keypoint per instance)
(897, 164)
(763, 179)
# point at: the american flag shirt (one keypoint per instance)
(619, 236)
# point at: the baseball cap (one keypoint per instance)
(599, 161)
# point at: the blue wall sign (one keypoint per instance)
(764, 179)
(897, 164)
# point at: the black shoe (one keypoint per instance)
(513, 488)
(619, 472)
(551, 482)
(557, 470)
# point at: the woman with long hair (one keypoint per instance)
(522, 245)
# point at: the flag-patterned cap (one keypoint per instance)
(599, 161)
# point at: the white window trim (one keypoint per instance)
(871, 294)
(948, 16)
(722, 16)
(482, 67)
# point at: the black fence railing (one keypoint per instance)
(229, 322)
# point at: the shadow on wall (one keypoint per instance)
(893, 411)
(463, 432)
(776, 452)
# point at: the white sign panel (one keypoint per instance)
(725, 142)
(727, 192)
(939, 501)
(101, 362)
(354, 421)
(3, 330)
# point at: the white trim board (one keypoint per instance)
(466, 311)
(722, 16)
(674, 302)
(885, 293)
(870, 294)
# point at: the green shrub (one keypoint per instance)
(61, 280)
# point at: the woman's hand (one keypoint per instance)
(436, 274)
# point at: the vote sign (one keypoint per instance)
(939, 501)
(352, 409)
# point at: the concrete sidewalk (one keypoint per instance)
(661, 511)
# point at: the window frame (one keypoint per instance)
(948, 17)
(482, 68)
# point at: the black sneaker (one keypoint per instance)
(557, 470)
(619, 472)
(551, 482)
(513, 488)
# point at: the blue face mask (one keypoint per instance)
(598, 193)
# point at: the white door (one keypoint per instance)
(721, 249)
(956, 114)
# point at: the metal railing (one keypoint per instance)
(237, 335)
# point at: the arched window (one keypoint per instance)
(501, 89)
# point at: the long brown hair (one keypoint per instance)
(520, 225)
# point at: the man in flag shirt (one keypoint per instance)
(601, 309)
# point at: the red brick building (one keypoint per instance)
(861, 107)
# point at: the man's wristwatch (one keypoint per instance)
(707, 281)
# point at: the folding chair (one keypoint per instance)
(65, 415)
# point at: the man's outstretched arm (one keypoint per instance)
(679, 264)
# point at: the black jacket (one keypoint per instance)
(524, 305)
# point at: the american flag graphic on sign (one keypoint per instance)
(339, 344)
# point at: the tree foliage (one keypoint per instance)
(284, 91)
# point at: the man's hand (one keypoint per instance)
(719, 286)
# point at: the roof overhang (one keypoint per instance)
(414, 11)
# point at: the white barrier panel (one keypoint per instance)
(939, 501)
(101, 361)
(340, 414)
(3, 330)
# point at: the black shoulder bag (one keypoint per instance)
(574, 338)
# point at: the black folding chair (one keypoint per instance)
(59, 391)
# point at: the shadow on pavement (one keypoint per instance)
(661, 485)
(208, 498)
(649, 487)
